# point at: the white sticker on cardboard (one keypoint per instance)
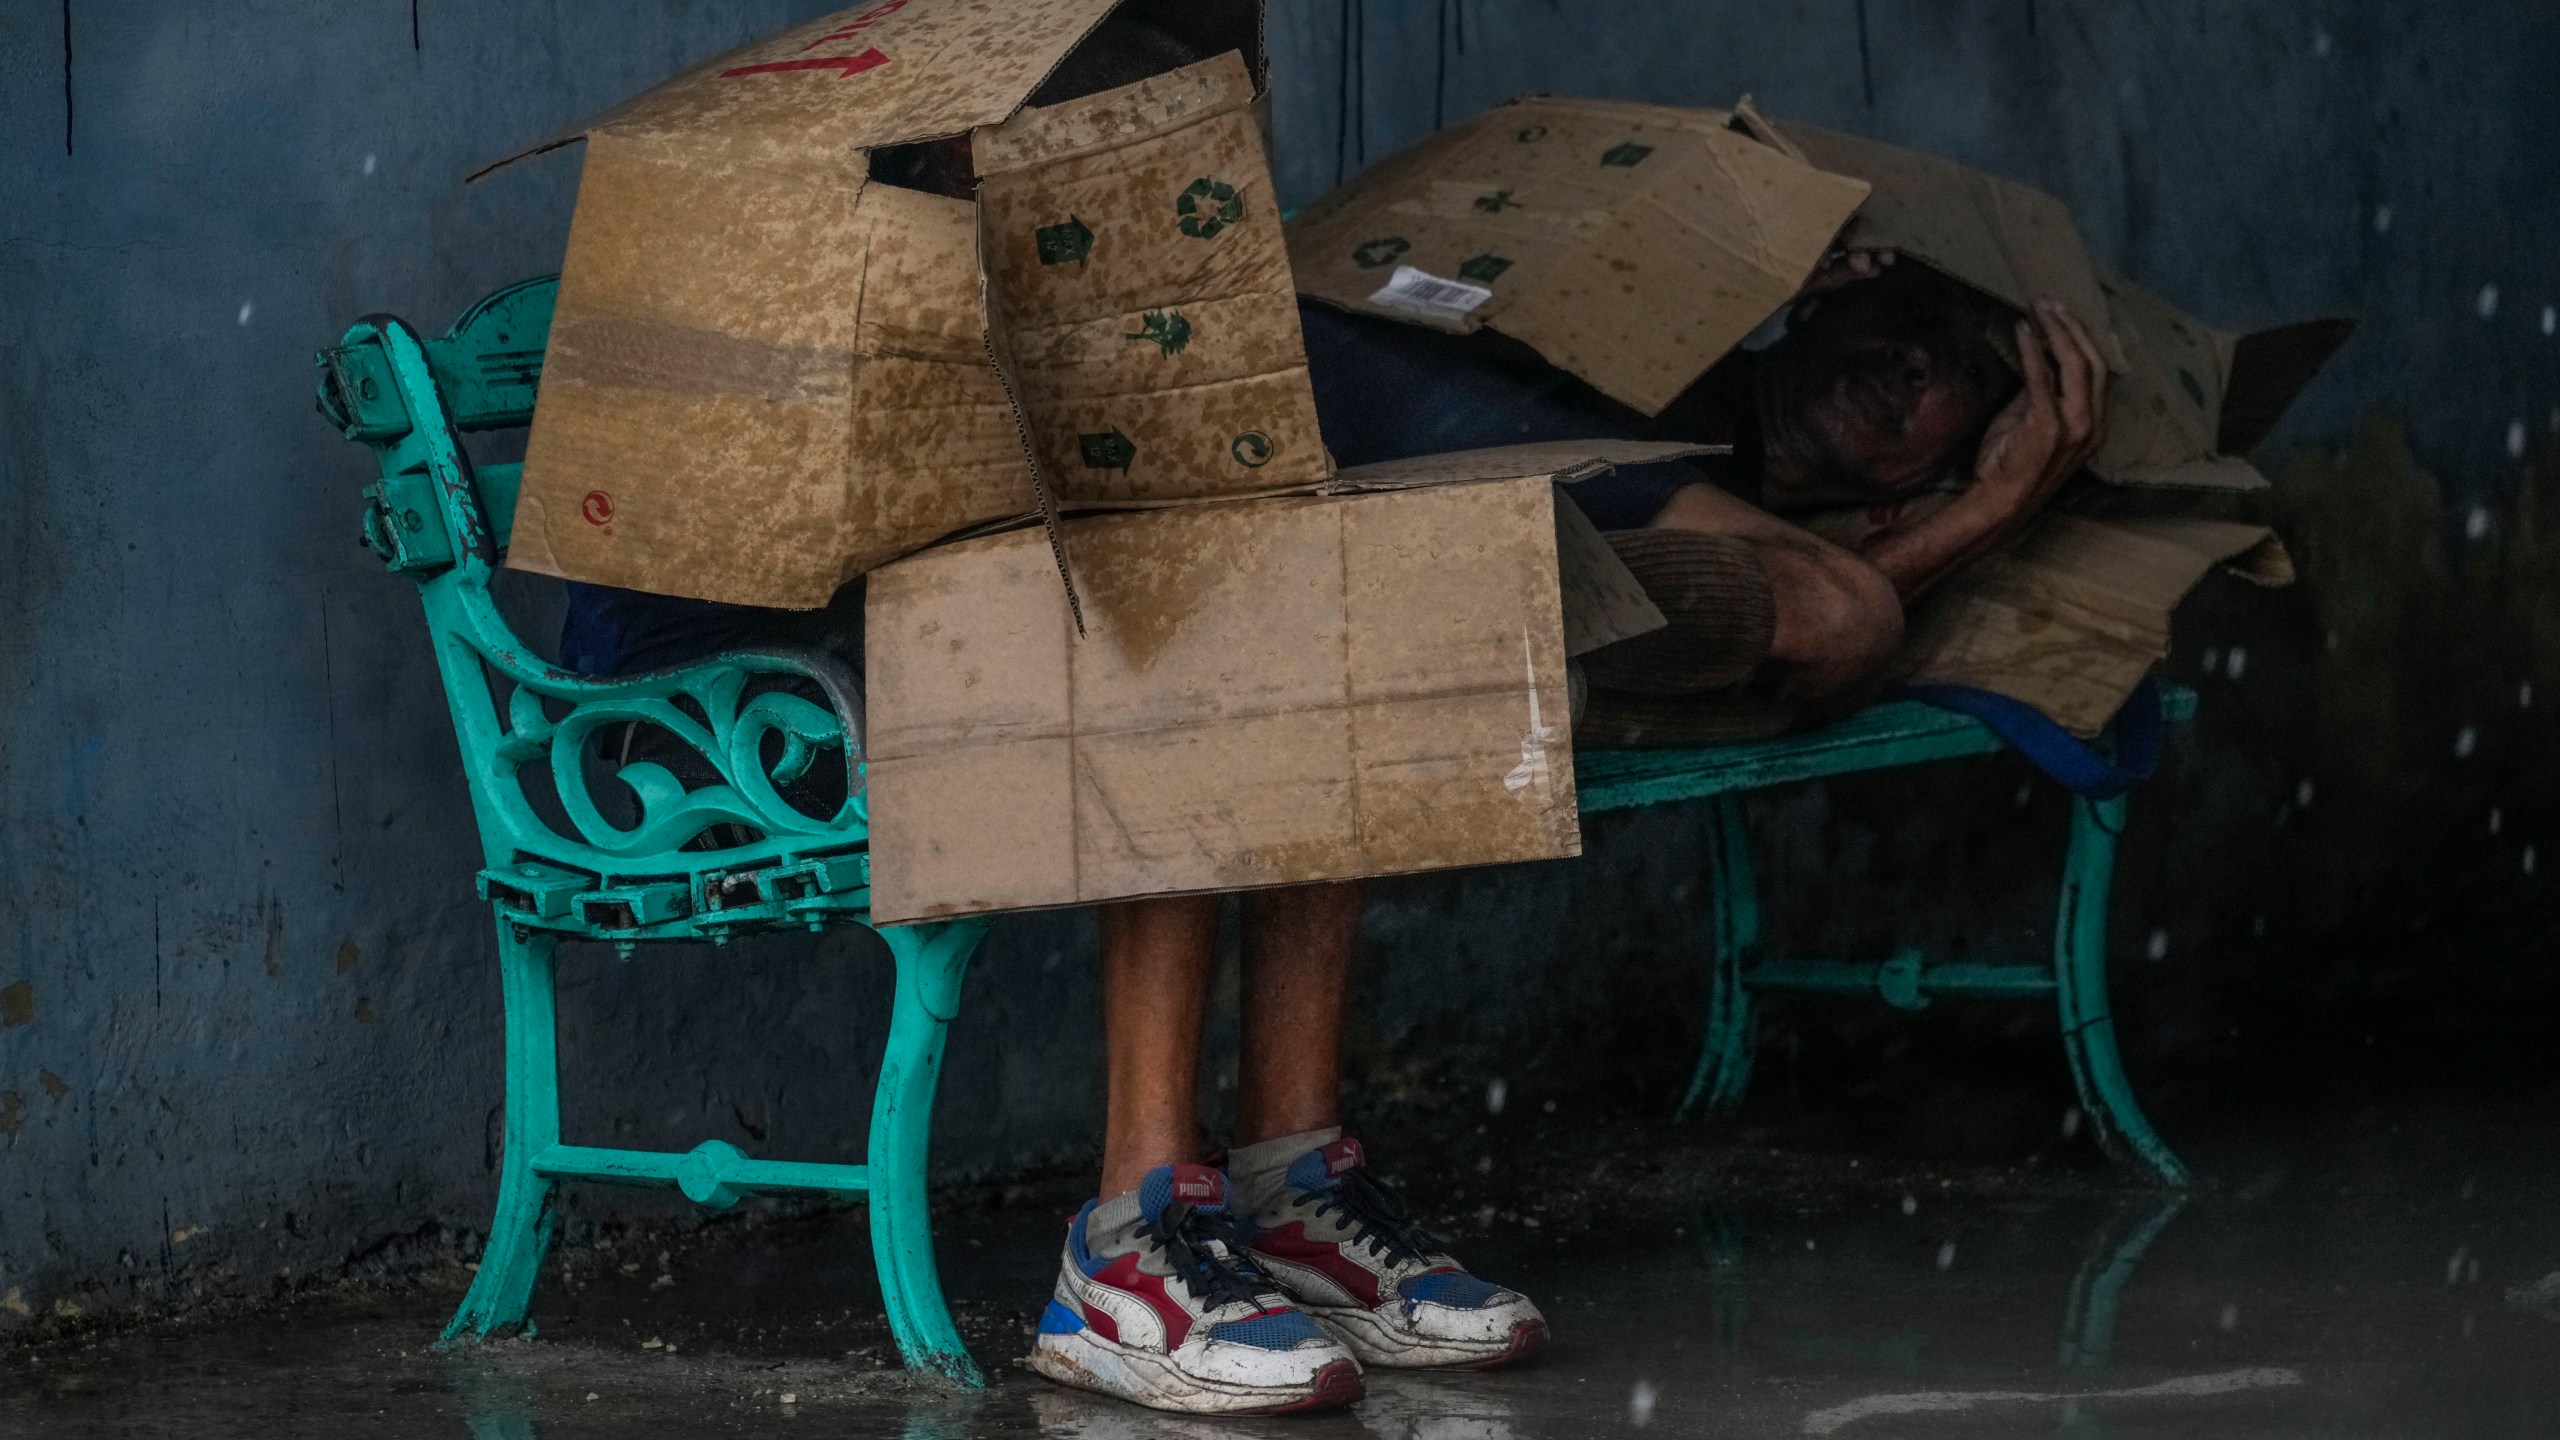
(1424, 293)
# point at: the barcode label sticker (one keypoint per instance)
(1424, 293)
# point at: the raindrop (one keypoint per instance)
(2236, 663)
(2070, 1121)
(2026, 791)
(2515, 439)
(2496, 819)
(2381, 219)
(2476, 524)
(2453, 1267)
(2302, 796)
(2488, 301)
(2465, 741)
(2230, 1318)
(2319, 42)
(1495, 1093)
(2212, 658)
(368, 169)
(2528, 859)
(1910, 1205)
(1640, 1403)
(2471, 1272)
(2524, 696)
(1549, 1107)
(1484, 1165)
(1947, 1256)
(1808, 1242)
(2550, 319)
(2158, 949)
(247, 308)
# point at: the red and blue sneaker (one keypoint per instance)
(1340, 1243)
(1157, 1302)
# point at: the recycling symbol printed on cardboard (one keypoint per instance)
(1252, 449)
(1380, 252)
(1064, 241)
(1208, 207)
(1109, 450)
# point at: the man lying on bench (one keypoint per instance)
(1884, 417)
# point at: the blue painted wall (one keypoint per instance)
(247, 1030)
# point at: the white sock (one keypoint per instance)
(1275, 1154)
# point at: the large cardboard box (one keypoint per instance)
(769, 373)
(1266, 692)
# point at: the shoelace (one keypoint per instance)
(1379, 1221)
(1207, 1249)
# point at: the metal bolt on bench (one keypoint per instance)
(739, 856)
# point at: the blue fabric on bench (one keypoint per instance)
(2079, 766)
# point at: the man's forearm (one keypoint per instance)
(1926, 550)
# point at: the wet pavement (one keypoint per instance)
(2384, 1272)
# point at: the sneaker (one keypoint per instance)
(1339, 1242)
(1157, 1303)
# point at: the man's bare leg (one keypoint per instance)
(1157, 955)
(1331, 1233)
(1838, 617)
(1298, 946)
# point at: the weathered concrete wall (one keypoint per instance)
(247, 1025)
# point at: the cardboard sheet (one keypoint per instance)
(2072, 617)
(1271, 691)
(1631, 245)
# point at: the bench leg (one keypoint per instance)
(931, 959)
(1733, 1027)
(2080, 991)
(521, 1230)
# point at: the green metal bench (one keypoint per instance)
(1884, 737)
(713, 862)
(738, 857)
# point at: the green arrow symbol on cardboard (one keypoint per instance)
(1109, 450)
(1067, 240)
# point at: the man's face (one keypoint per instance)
(1868, 381)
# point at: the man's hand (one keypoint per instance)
(2049, 431)
(1845, 267)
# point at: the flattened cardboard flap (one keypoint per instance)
(1630, 245)
(878, 74)
(1139, 295)
(2268, 369)
(2071, 617)
(2010, 241)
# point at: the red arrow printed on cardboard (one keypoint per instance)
(845, 66)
